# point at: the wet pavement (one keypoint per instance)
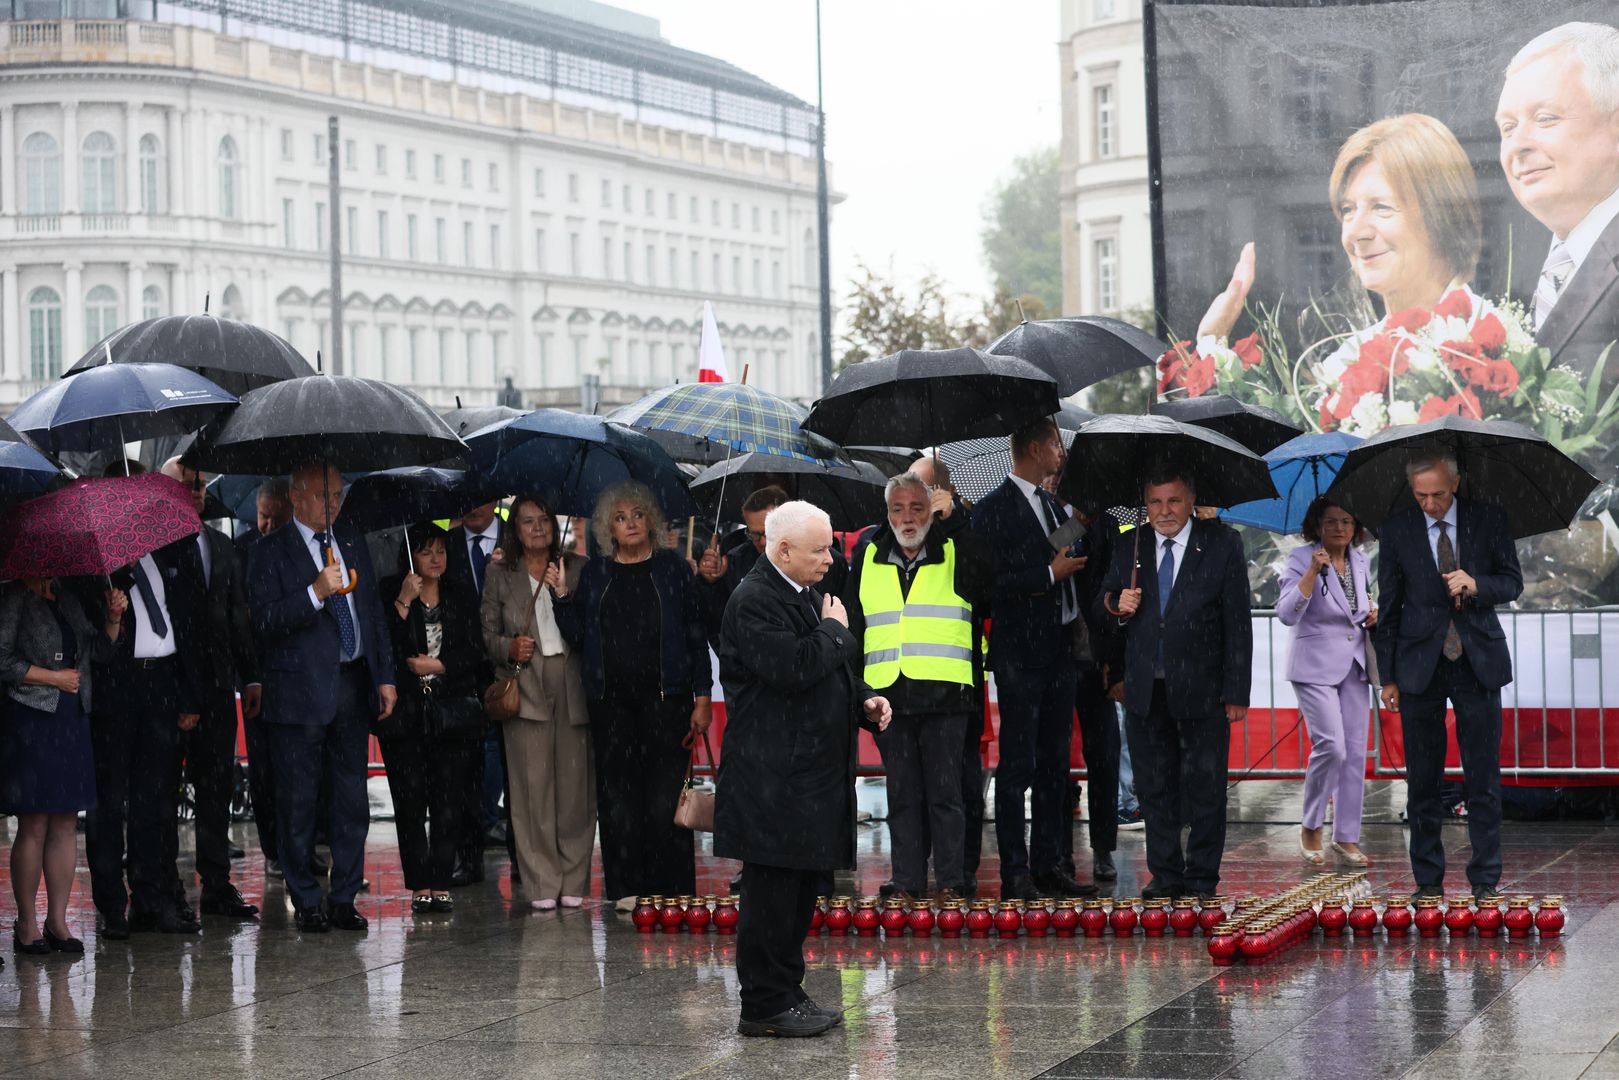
(494, 991)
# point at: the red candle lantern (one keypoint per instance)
(1397, 916)
(818, 915)
(1092, 919)
(698, 916)
(1183, 919)
(1257, 942)
(951, 919)
(725, 915)
(921, 919)
(1124, 918)
(1224, 945)
(1065, 920)
(1549, 920)
(1487, 919)
(1008, 920)
(1037, 918)
(673, 917)
(1363, 916)
(866, 919)
(645, 917)
(839, 917)
(1333, 917)
(1428, 918)
(1459, 916)
(979, 920)
(1212, 915)
(1154, 918)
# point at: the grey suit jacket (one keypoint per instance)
(506, 605)
(1585, 319)
(30, 637)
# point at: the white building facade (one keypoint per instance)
(550, 197)
(1106, 213)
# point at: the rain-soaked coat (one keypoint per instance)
(793, 698)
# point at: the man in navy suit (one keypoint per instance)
(1035, 608)
(328, 668)
(1180, 595)
(1443, 566)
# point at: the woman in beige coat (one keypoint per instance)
(548, 762)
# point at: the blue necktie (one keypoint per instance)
(480, 559)
(1166, 583)
(154, 610)
(339, 607)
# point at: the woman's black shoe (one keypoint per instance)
(442, 903)
(69, 944)
(35, 948)
(422, 904)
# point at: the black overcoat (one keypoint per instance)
(793, 700)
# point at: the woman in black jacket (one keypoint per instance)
(636, 623)
(428, 742)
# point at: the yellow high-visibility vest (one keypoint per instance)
(926, 636)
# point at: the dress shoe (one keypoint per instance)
(112, 927)
(1020, 887)
(1357, 858)
(1103, 869)
(625, 905)
(467, 872)
(344, 917)
(1060, 884)
(226, 899)
(941, 897)
(801, 1021)
(421, 903)
(889, 891)
(571, 901)
(237, 853)
(272, 868)
(312, 921)
(1157, 890)
(495, 837)
(834, 1015)
(67, 943)
(546, 903)
(1131, 820)
(1433, 890)
(38, 947)
(178, 920)
(442, 904)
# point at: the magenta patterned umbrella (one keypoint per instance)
(94, 526)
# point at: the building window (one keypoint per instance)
(413, 355)
(443, 355)
(674, 269)
(382, 234)
(441, 241)
(382, 160)
(1105, 254)
(651, 265)
(736, 215)
(758, 277)
(351, 227)
(696, 271)
(151, 161)
(1318, 254)
(756, 217)
(573, 254)
(412, 249)
(100, 313)
(607, 257)
(1104, 110)
(736, 273)
(775, 277)
(494, 176)
(649, 202)
(98, 172)
(1312, 103)
(229, 166)
(775, 223)
(466, 172)
(494, 247)
(151, 302)
(539, 183)
(466, 243)
(351, 155)
(289, 225)
(607, 194)
(812, 257)
(714, 212)
(320, 226)
(694, 215)
(44, 333)
(320, 149)
(495, 343)
(539, 250)
(714, 280)
(626, 198)
(629, 273)
(1102, 10)
(573, 187)
(385, 342)
(286, 144)
(438, 168)
(671, 207)
(410, 164)
(469, 349)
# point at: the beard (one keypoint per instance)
(912, 537)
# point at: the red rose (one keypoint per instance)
(1387, 352)
(1364, 377)
(1464, 404)
(1412, 318)
(1490, 335)
(1328, 421)
(1247, 350)
(1432, 409)
(1500, 378)
(1466, 359)
(1200, 376)
(1172, 363)
(1455, 305)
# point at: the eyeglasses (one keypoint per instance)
(756, 535)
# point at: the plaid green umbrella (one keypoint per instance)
(703, 423)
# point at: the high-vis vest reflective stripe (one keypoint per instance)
(928, 635)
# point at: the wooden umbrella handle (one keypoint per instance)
(354, 579)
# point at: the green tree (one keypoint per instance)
(882, 317)
(1021, 234)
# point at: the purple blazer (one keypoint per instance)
(1327, 641)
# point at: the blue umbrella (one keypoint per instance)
(393, 497)
(104, 407)
(569, 460)
(1302, 469)
(23, 469)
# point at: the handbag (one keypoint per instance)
(695, 809)
(451, 718)
(503, 699)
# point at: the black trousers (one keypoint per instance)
(1478, 738)
(209, 751)
(1175, 757)
(1037, 729)
(640, 768)
(424, 777)
(261, 783)
(135, 734)
(1099, 739)
(972, 798)
(775, 908)
(922, 757)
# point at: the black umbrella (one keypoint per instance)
(238, 356)
(1258, 428)
(353, 423)
(978, 466)
(464, 420)
(921, 398)
(1540, 487)
(1111, 456)
(392, 497)
(889, 460)
(851, 493)
(1079, 351)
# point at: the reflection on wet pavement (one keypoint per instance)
(495, 991)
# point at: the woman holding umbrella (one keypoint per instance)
(636, 621)
(47, 772)
(1325, 596)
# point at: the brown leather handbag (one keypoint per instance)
(503, 699)
(695, 809)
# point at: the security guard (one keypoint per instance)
(913, 586)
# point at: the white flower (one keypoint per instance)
(1368, 415)
(1402, 412)
(1423, 357)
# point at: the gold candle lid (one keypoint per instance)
(1094, 903)
(892, 904)
(980, 905)
(867, 902)
(1065, 904)
(952, 904)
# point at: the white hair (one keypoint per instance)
(790, 519)
(907, 479)
(1595, 45)
(1429, 462)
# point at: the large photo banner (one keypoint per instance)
(1379, 213)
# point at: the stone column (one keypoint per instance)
(11, 319)
(70, 162)
(136, 284)
(72, 314)
(9, 202)
(172, 187)
(132, 158)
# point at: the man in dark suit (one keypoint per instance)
(1034, 612)
(1180, 599)
(215, 630)
(1100, 666)
(1443, 566)
(328, 668)
(786, 803)
(274, 509)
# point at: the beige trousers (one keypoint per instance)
(553, 790)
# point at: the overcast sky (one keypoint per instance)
(926, 101)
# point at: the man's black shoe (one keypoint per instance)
(1061, 885)
(112, 927)
(834, 1015)
(1103, 869)
(237, 853)
(344, 917)
(226, 899)
(312, 921)
(801, 1021)
(178, 920)
(1156, 890)
(1430, 890)
(466, 872)
(1020, 888)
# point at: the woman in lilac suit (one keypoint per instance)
(1326, 600)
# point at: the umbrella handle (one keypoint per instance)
(354, 579)
(1135, 576)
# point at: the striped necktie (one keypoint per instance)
(1553, 276)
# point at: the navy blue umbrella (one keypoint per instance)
(1302, 469)
(569, 460)
(104, 407)
(23, 469)
(393, 497)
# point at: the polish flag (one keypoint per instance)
(710, 356)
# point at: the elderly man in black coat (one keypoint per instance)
(786, 802)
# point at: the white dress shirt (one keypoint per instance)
(797, 588)
(207, 558)
(1181, 539)
(1450, 527)
(313, 547)
(1036, 496)
(547, 638)
(149, 645)
(1583, 237)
